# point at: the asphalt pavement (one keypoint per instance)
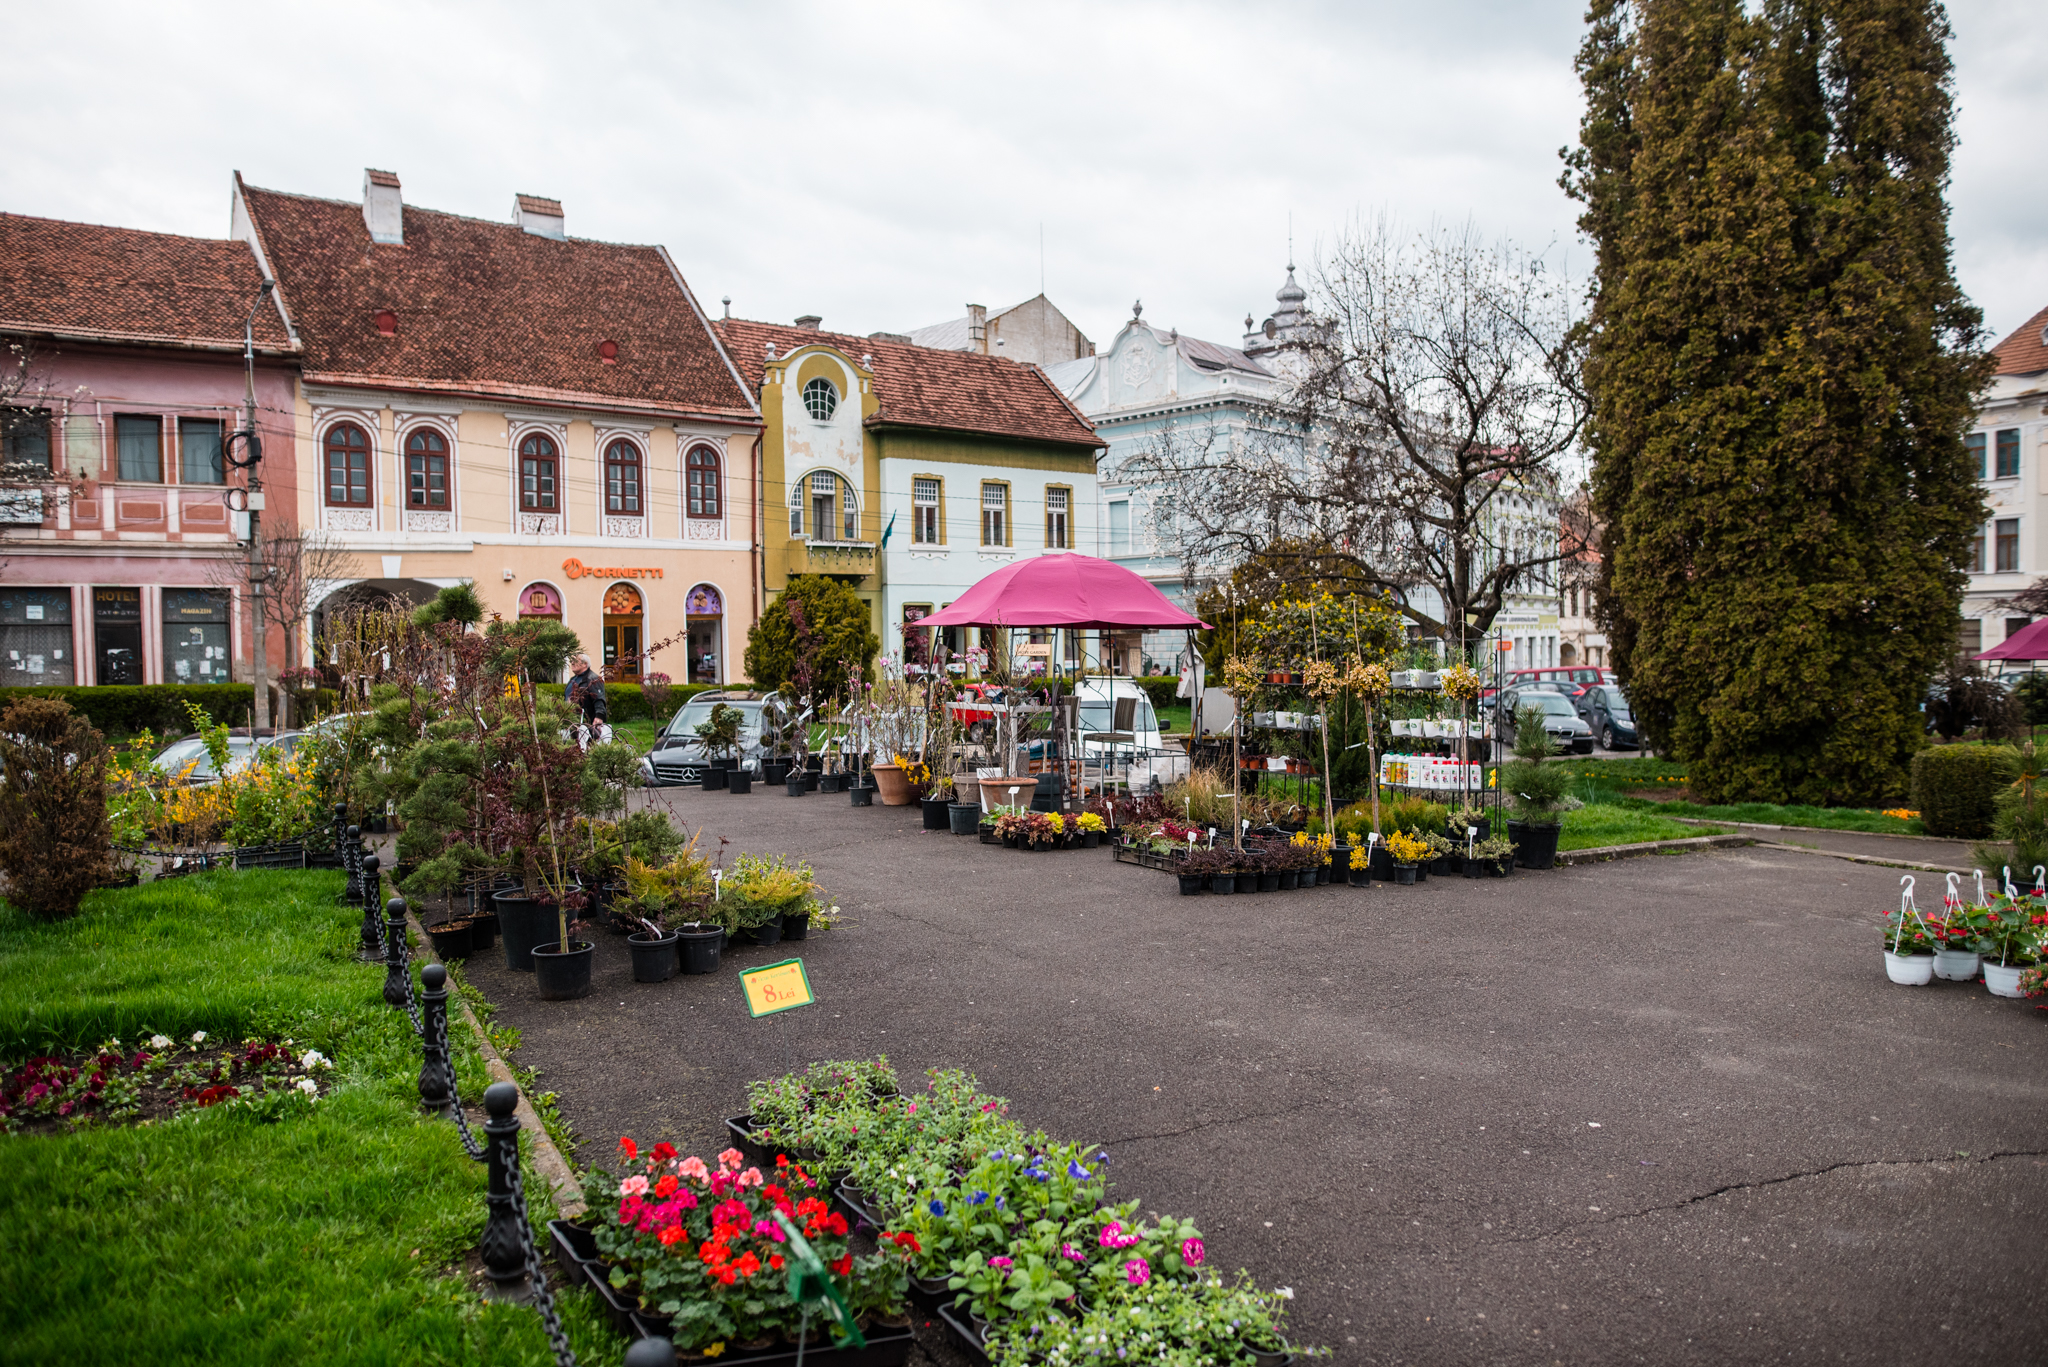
(1665, 1110)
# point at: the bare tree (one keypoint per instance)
(1436, 378)
(298, 567)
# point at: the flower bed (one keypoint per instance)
(162, 1079)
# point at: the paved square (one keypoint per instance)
(1666, 1110)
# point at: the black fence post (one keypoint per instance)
(364, 890)
(437, 1091)
(503, 1250)
(651, 1353)
(397, 971)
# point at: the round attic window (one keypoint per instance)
(387, 323)
(821, 398)
(608, 352)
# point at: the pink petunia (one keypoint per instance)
(731, 1159)
(633, 1186)
(1000, 1264)
(1069, 1251)
(1139, 1271)
(694, 1169)
(750, 1178)
(1109, 1233)
(1192, 1252)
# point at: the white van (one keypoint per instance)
(1144, 755)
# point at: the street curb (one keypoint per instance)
(1822, 830)
(1862, 858)
(547, 1159)
(1602, 854)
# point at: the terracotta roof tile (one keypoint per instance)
(2026, 351)
(82, 280)
(956, 391)
(487, 308)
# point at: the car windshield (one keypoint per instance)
(1097, 714)
(694, 714)
(1616, 700)
(192, 751)
(1555, 704)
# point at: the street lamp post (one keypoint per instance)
(252, 453)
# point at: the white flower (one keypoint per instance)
(1285, 1293)
(160, 1042)
(199, 1037)
(308, 1086)
(313, 1058)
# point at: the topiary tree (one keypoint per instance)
(1782, 367)
(54, 833)
(829, 630)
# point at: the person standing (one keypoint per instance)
(585, 692)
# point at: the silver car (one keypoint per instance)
(679, 756)
(1567, 731)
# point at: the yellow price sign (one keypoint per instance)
(776, 987)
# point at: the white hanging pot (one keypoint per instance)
(2004, 979)
(1956, 965)
(1909, 970)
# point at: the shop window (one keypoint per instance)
(117, 634)
(623, 616)
(348, 466)
(924, 512)
(1056, 519)
(917, 648)
(703, 624)
(139, 447)
(537, 474)
(707, 499)
(35, 637)
(622, 478)
(995, 509)
(426, 469)
(199, 451)
(25, 437)
(195, 636)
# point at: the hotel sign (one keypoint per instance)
(576, 569)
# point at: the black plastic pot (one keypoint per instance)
(1382, 862)
(739, 781)
(1475, 868)
(795, 784)
(934, 812)
(483, 930)
(860, 795)
(1269, 882)
(1247, 881)
(1360, 877)
(563, 976)
(1223, 882)
(774, 771)
(1290, 879)
(1404, 874)
(812, 780)
(964, 817)
(698, 946)
(1091, 839)
(1190, 884)
(1535, 846)
(1340, 860)
(654, 957)
(519, 919)
(796, 926)
(768, 934)
(714, 777)
(1422, 873)
(452, 940)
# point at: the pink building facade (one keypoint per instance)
(120, 571)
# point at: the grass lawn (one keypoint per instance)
(640, 734)
(1619, 783)
(219, 1238)
(1600, 824)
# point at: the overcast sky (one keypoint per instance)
(885, 165)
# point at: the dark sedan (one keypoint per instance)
(1604, 708)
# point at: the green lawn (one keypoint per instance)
(1614, 782)
(1600, 824)
(220, 1239)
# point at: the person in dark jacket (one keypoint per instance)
(585, 691)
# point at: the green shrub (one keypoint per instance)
(123, 709)
(1161, 689)
(54, 836)
(628, 701)
(1956, 787)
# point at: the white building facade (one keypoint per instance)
(2010, 445)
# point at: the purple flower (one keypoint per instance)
(979, 1198)
(937, 1207)
(1076, 1171)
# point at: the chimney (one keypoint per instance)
(809, 322)
(541, 217)
(977, 328)
(383, 207)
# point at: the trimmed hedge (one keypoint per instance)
(122, 709)
(626, 701)
(1956, 787)
(1160, 688)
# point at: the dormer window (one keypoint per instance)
(821, 398)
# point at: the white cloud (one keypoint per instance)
(883, 165)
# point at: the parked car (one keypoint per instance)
(1604, 708)
(1566, 730)
(188, 758)
(679, 757)
(1572, 677)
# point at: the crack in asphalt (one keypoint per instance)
(1760, 1184)
(1210, 1124)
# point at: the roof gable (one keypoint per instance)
(917, 386)
(2025, 352)
(488, 308)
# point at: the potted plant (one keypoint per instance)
(1407, 853)
(759, 892)
(1909, 944)
(1494, 858)
(1090, 827)
(1198, 868)
(2012, 937)
(1475, 821)
(720, 733)
(1538, 789)
(1009, 826)
(675, 893)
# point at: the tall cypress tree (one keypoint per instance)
(1782, 368)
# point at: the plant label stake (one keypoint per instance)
(776, 987)
(717, 883)
(808, 1281)
(1471, 838)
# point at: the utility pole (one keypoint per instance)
(252, 453)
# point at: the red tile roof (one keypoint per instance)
(2026, 351)
(86, 282)
(955, 391)
(489, 309)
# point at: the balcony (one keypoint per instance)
(852, 559)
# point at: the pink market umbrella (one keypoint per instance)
(2028, 643)
(1063, 590)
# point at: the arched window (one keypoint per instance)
(622, 478)
(426, 469)
(703, 476)
(537, 474)
(348, 466)
(821, 398)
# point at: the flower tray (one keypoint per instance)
(1126, 854)
(286, 854)
(576, 1254)
(855, 1204)
(954, 1317)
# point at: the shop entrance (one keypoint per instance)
(623, 616)
(117, 634)
(704, 622)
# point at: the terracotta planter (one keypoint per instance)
(995, 792)
(892, 785)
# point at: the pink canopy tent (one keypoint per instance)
(2028, 643)
(1062, 591)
